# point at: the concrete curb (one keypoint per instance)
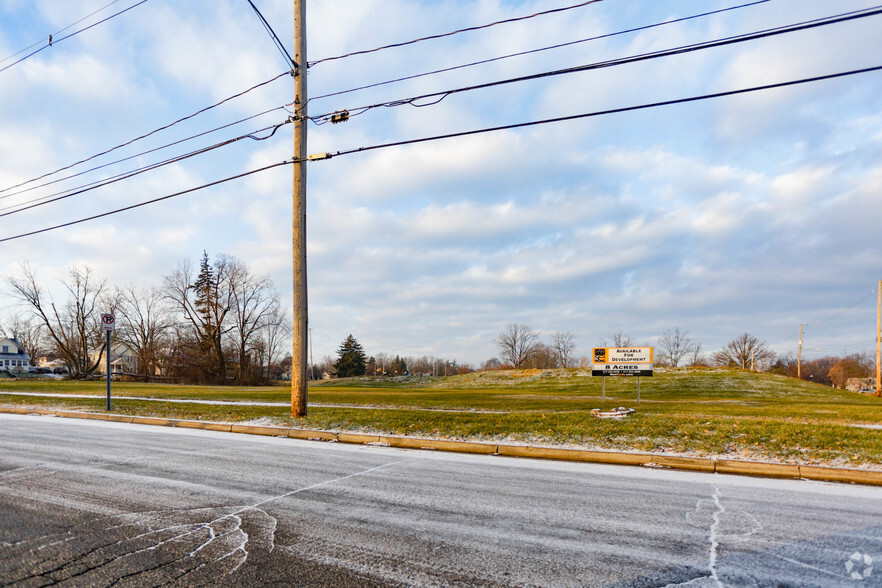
(267, 431)
(439, 444)
(207, 426)
(699, 464)
(754, 468)
(828, 474)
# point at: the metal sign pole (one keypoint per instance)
(638, 388)
(603, 379)
(108, 368)
(108, 323)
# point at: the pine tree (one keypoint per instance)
(212, 300)
(204, 288)
(350, 358)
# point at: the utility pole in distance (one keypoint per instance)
(300, 306)
(879, 341)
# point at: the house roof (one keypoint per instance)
(18, 354)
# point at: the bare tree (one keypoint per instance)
(492, 364)
(254, 300)
(28, 332)
(144, 324)
(542, 357)
(564, 344)
(516, 343)
(675, 346)
(744, 351)
(850, 366)
(73, 327)
(696, 356)
(621, 339)
(276, 331)
(204, 301)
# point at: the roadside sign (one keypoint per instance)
(108, 322)
(622, 361)
(622, 369)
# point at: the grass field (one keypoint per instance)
(708, 412)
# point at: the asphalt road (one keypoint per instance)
(86, 503)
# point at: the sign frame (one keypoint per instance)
(622, 361)
(108, 322)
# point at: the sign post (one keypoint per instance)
(108, 323)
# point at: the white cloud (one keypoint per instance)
(754, 213)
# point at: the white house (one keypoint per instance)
(13, 356)
(122, 360)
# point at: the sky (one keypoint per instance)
(751, 213)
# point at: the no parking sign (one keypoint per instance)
(108, 322)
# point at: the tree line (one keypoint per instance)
(353, 361)
(210, 322)
(520, 346)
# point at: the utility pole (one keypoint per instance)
(799, 355)
(311, 361)
(300, 307)
(879, 341)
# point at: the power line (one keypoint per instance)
(132, 173)
(52, 41)
(142, 153)
(442, 35)
(461, 134)
(144, 136)
(843, 311)
(538, 50)
(836, 19)
(145, 203)
(603, 112)
(56, 33)
(275, 38)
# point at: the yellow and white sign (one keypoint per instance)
(623, 354)
(624, 361)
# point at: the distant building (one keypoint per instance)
(865, 385)
(122, 360)
(13, 356)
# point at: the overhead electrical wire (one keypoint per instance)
(58, 32)
(52, 41)
(281, 47)
(451, 33)
(323, 156)
(537, 50)
(142, 153)
(21, 207)
(323, 118)
(154, 200)
(843, 311)
(604, 112)
(144, 136)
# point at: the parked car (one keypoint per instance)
(59, 370)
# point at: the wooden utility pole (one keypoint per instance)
(879, 341)
(799, 355)
(301, 316)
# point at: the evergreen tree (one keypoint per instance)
(399, 367)
(207, 311)
(204, 289)
(350, 358)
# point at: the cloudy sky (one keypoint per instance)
(749, 213)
